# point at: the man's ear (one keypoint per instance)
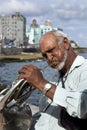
(66, 43)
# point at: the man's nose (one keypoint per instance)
(49, 56)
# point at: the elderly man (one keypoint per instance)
(66, 105)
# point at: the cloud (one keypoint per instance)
(25, 7)
(71, 11)
(64, 10)
(70, 16)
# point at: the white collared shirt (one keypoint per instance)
(73, 96)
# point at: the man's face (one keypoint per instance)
(54, 54)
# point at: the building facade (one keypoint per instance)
(34, 33)
(12, 29)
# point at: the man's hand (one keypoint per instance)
(33, 76)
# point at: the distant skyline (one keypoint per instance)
(71, 16)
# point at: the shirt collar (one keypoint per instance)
(77, 62)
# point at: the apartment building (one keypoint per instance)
(12, 29)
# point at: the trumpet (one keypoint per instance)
(18, 93)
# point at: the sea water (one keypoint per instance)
(9, 72)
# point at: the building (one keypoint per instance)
(12, 29)
(34, 31)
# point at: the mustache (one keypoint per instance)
(53, 62)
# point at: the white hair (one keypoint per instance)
(59, 33)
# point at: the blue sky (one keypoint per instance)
(71, 16)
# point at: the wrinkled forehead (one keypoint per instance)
(47, 41)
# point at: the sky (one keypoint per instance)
(71, 16)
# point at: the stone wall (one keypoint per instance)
(11, 51)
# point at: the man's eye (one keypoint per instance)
(44, 55)
(51, 50)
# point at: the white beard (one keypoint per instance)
(61, 65)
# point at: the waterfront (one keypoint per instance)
(20, 57)
(9, 72)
